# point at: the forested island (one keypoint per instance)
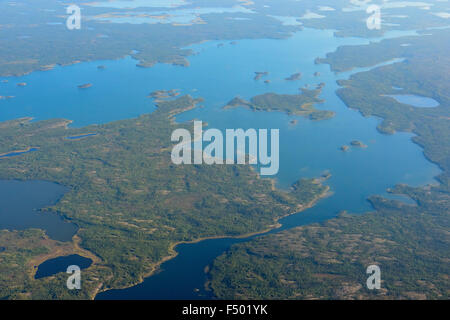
(294, 104)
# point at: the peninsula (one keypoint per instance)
(143, 214)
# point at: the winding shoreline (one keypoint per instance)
(173, 253)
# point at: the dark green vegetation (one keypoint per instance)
(410, 243)
(292, 104)
(131, 203)
(329, 261)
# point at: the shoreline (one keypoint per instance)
(68, 248)
(173, 253)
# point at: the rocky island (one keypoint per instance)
(85, 86)
(259, 74)
(357, 143)
(294, 77)
(164, 94)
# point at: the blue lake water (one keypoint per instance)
(60, 264)
(17, 153)
(19, 204)
(218, 74)
(414, 100)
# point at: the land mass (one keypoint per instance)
(132, 205)
(294, 104)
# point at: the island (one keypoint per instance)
(164, 94)
(294, 77)
(295, 104)
(260, 74)
(84, 86)
(22, 84)
(358, 144)
(6, 97)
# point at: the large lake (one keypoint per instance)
(20, 202)
(218, 73)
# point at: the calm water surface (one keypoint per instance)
(20, 202)
(60, 264)
(415, 100)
